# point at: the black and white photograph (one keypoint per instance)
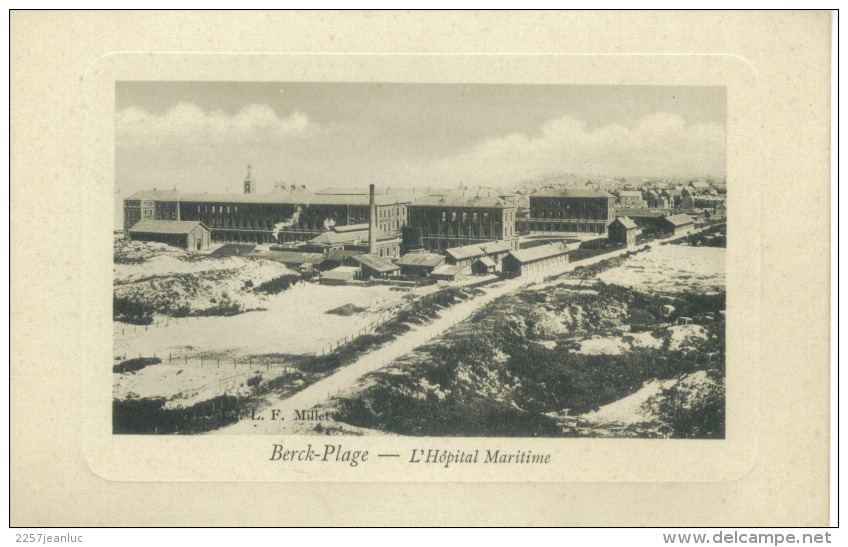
(419, 259)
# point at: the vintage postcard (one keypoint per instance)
(425, 280)
(331, 269)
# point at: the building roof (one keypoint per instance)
(429, 260)
(342, 273)
(627, 222)
(639, 213)
(278, 197)
(293, 257)
(448, 270)
(481, 249)
(376, 263)
(157, 195)
(680, 220)
(166, 226)
(700, 184)
(343, 237)
(350, 228)
(487, 202)
(539, 252)
(495, 247)
(630, 194)
(486, 261)
(571, 193)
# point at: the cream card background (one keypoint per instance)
(771, 469)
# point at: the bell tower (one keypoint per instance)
(249, 183)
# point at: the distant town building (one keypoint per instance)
(190, 235)
(631, 199)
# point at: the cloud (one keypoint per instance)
(661, 144)
(187, 123)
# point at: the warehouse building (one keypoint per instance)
(190, 235)
(576, 211)
(535, 259)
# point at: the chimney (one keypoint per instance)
(372, 221)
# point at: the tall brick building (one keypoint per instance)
(448, 221)
(570, 210)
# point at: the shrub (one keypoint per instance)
(278, 284)
(132, 365)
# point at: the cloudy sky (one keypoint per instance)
(200, 136)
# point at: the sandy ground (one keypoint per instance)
(670, 267)
(618, 345)
(295, 322)
(631, 409)
(185, 384)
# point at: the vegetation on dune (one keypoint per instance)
(278, 284)
(714, 236)
(497, 379)
(132, 365)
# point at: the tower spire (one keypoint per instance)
(249, 185)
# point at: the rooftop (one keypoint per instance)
(471, 251)
(429, 260)
(158, 195)
(627, 222)
(540, 252)
(376, 263)
(279, 197)
(488, 262)
(680, 220)
(342, 273)
(489, 202)
(571, 193)
(165, 226)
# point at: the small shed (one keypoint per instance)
(375, 266)
(191, 235)
(339, 276)
(483, 266)
(679, 224)
(419, 264)
(622, 231)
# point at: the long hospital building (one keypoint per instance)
(570, 210)
(287, 216)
